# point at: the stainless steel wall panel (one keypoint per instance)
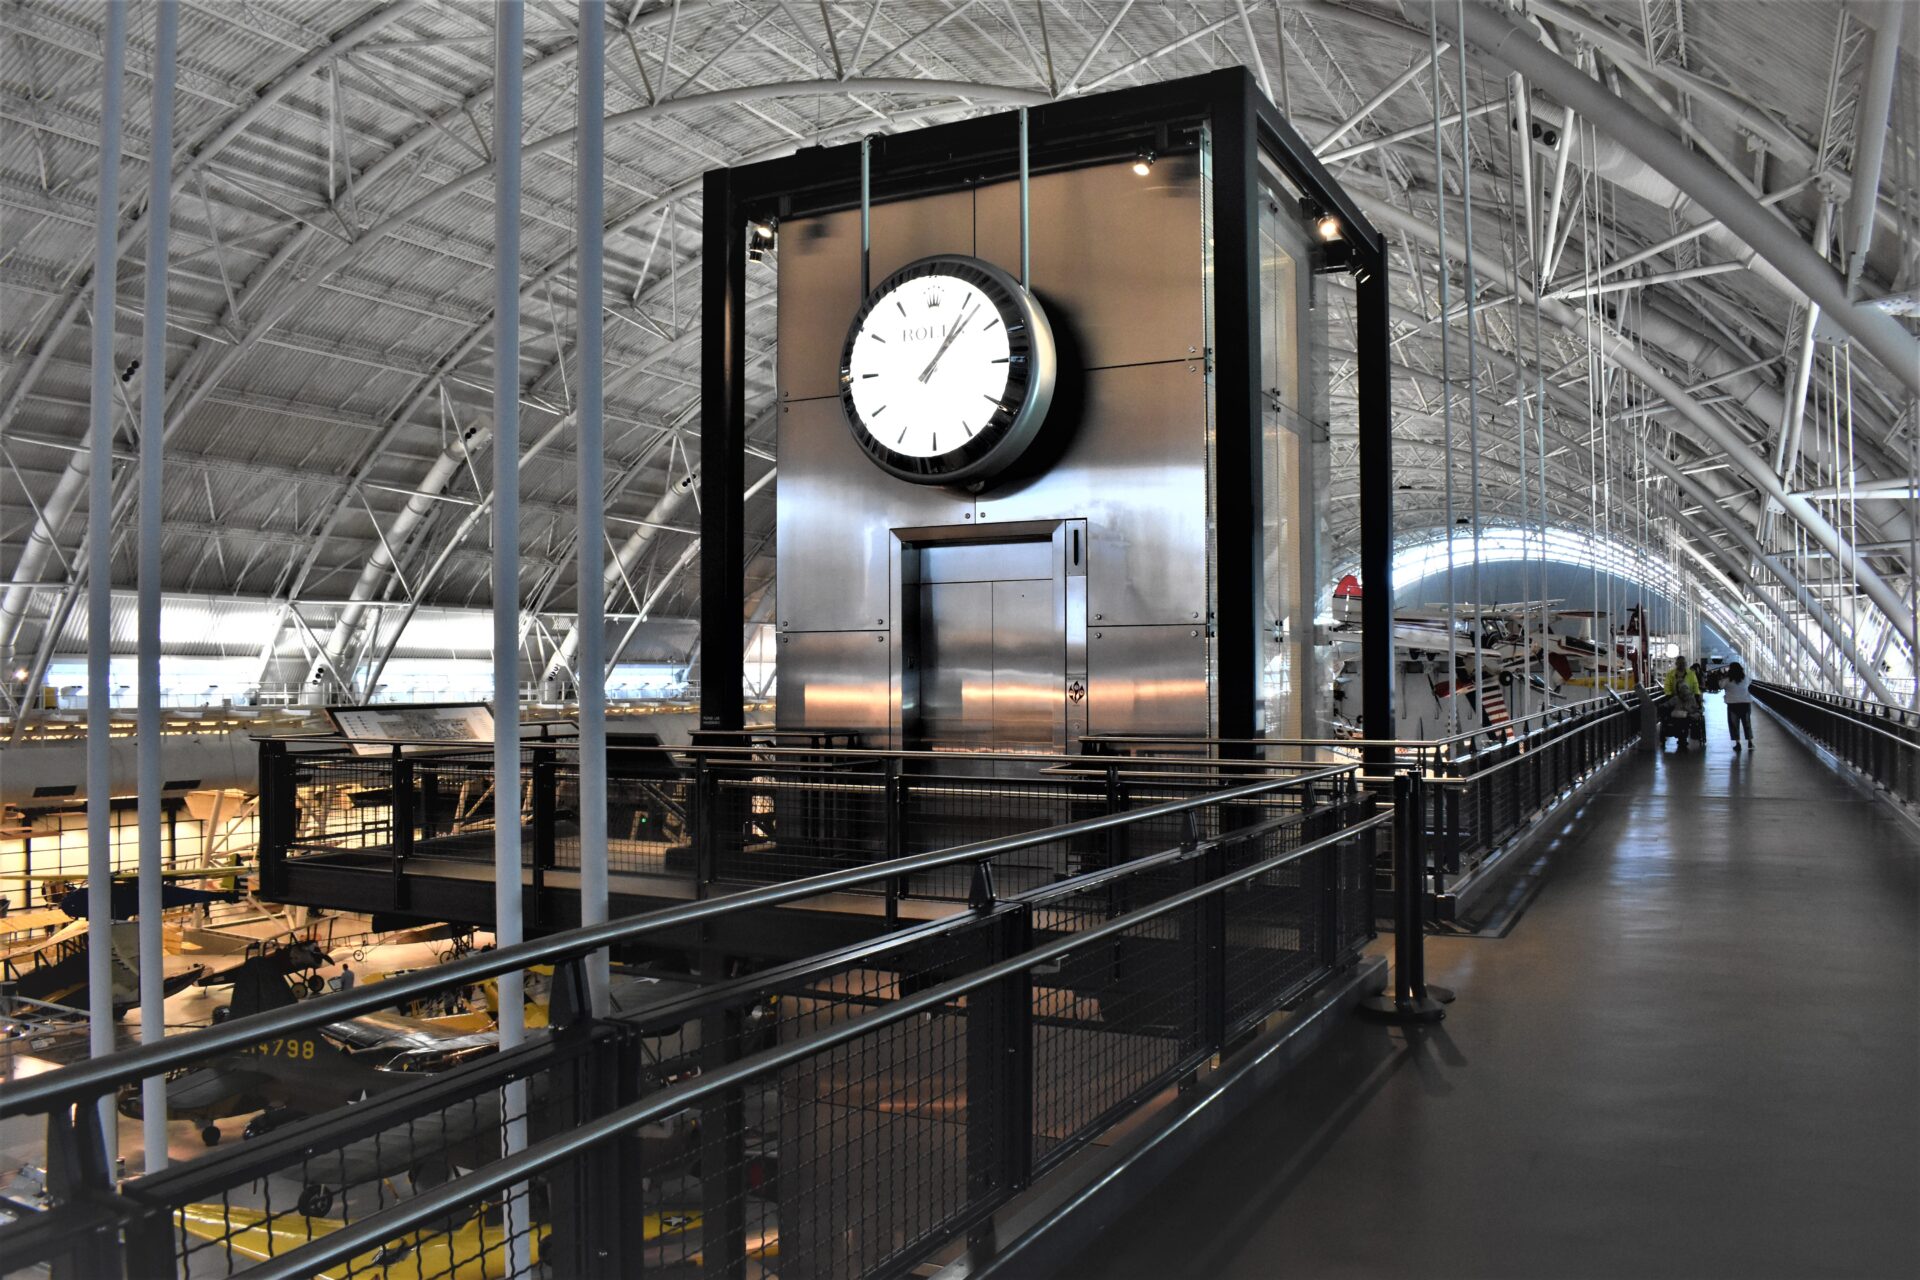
(1150, 680)
(1136, 473)
(1117, 258)
(836, 680)
(837, 513)
(819, 289)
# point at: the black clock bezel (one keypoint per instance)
(1031, 375)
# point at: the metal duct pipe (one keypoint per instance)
(381, 562)
(623, 560)
(1712, 430)
(54, 513)
(1876, 100)
(1608, 159)
(1516, 49)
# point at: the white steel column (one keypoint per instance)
(590, 622)
(153, 410)
(508, 17)
(106, 265)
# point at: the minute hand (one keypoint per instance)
(952, 333)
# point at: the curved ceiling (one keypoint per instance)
(329, 361)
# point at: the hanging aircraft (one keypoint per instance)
(54, 969)
(1521, 669)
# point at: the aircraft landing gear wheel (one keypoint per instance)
(314, 1200)
(210, 1135)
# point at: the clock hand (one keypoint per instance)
(952, 333)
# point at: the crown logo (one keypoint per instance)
(933, 297)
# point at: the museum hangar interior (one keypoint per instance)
(1230, 638)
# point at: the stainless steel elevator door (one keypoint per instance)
(992, 661)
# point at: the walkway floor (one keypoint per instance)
(1696, 1054)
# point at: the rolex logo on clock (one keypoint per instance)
(948, 370)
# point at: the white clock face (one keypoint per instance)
(928, 368)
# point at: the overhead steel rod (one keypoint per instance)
(590, 673)
(106, 267)
(509, 46)
(153, 408)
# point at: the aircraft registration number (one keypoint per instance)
(302, 1049)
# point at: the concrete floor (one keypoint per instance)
(1697, 1053)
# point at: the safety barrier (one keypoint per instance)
(852, 1114)
(1880, 741)
(709, 818)
(1482, 786)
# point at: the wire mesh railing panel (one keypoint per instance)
(1275, 923)
(299, 1178)
(768, 824)
(1118, 1020)
(342, 803)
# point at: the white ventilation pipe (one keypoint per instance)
(623, 560)
(1710, 431)
(1515, 49)
(381, 562)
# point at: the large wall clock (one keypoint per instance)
(948, 371)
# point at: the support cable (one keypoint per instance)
(1446, 385)
(153, 407)
(106, 266)
(590, 677)
(508, 17)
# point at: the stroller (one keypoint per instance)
(1681, 718)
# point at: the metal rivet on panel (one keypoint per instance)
(883, 622)
(1098, 634)
(1099, 617)
(1193, 633)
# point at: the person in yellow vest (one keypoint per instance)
(1683, 688)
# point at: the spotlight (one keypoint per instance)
(21, 674)
(759, 240)
(1143, 163)
(1329, 228)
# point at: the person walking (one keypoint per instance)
(1739, 705)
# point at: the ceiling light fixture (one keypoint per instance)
(1143, 163)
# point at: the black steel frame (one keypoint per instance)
(1243, 126)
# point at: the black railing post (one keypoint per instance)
(77, 1170)
(1212, 957)
(1409, 1000)
(705, 818)
(278, 816)
(895, 802)
(723, 1153)
(999, 1095)
(401, 810)
(545, 805)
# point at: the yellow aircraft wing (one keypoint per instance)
(475, 1250)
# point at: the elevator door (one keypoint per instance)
(992, 658)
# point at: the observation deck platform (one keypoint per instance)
(1693, 1053)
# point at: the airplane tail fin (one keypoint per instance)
(259, 985)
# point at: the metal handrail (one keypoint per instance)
(1584, 706)
(1867, 711)
(378, 1228)
(83, 1081)
(1480, 775)
(1863, 722)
